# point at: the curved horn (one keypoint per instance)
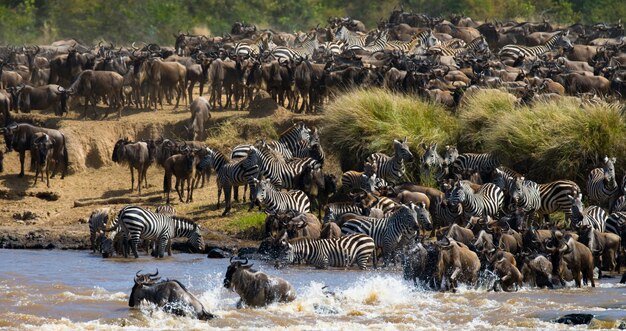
(154, 274)
(137, 274)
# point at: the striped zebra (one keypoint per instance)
(289, 144)
(469, 162)
(593, 216)
(97, 226)
(424, 39)
(388, 231)
(366, 180)
(142, 224)
(432, 163)
(444, 214)
(254, 49)
(351, 38)
(391, 168)
(336, 252)
(620, 202)
(377, 45)
(478, 45)
(554, 197)
(525, 195)
(282, 173)
(559, 40)
(487, 201)
(602, 186)
(233, 173)
(275, 201)
(305, 50)
(450, 155)
(334, 210)
(168, 210)
(616, 223)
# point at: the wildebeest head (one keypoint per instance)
(9, 135)
(141, 280)
(118, 150)
(43, 144)
(234, 267)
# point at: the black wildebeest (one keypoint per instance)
(42, 151)
(94, 85)
(182, 166)
(256, 288)
(139, 155)
(19, 137)
(170, 295)
(164, 77)
(41, 98)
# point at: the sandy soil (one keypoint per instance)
(29, 221)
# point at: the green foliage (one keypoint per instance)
(248, 226)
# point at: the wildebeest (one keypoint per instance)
(96, 85)
(256, 288)
(139, 155)
(42, 150)
(42, 98)
(170, 295)
(164, 77)
(456, 263)
(182, 166)
(19, 137)
(576, 256)
(199, 117)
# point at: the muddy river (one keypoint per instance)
(75, 290)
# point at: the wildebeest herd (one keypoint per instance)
(483, 218)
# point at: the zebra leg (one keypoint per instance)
(236, 193)
(162, 245)
(227, 191)
(133, 246)
(245, 189)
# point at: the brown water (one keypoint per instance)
(65, 290)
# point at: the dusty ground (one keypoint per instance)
(29, 221)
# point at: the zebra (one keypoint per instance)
(139, 223)
(559, 40)
(484, 163)
(282, 173)
(486, 202)
(477, 45)
(377, 45)
(276, 201)
(289, 144)
(602, 186)
(336, 252)
(366, 180)
(332, 47)
(233, 173)
(388, 231)
(554, 197)
(444, 214)
(97, 226)
(306, 50)
(391, 168)
(431, 160)
(451, 154)
(254, 49)
(525, 195)
(335, 209)
(615, 223)
(424, 39)
(593, 216)
(350, 38)
(168, 210)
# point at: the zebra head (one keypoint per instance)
(576, 209)
(516, 189)
(401, 150)
(431, 158)
(407, 217)
(369, 182)
(563, 41)
(304, 133)
(609, 171)
(423, 216)
(262, 188)
(430, 40)
(450, 155)
(195, 239)
(458, 195)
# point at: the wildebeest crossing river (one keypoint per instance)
(71, 290)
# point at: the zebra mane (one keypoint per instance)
(184, 220)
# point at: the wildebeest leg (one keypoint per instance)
(132, 179)
(140, 172)
(227, 191)
(48, 173)
(22, 157)
(145, 178)
(37, 174)
(179, 189)
(189, 189)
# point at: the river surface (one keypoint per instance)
(76, 290)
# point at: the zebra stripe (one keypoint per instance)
(275, 201)
(516, 51)
(423, 39)
(487, 201)
(139, 223)
(482, 163)
(602, 186)
(354, 180)
(388, 231)
(334, 210)
(233, 173)
(477, 45)
(306, 50)
(97, 225)
(350, 38)
(168, 210)
(377, 45)
(554, 197)
(291, 143)
(615, 222)
(592, 215)
(525, 194)
(391, 168)
(281, 173)
(337, 252)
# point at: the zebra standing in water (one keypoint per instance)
(514, 52)
(232, 174)
(391, 168)
(602, 186)
(487, 201)
(388, 231)
(336, 252)
(593, 216)
(141, 224)
(276, 201)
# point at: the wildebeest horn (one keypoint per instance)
(137, 274)
(154, 274)
(245, 263)
(60, 89)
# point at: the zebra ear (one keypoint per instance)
(580, 196)
(613, 159)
